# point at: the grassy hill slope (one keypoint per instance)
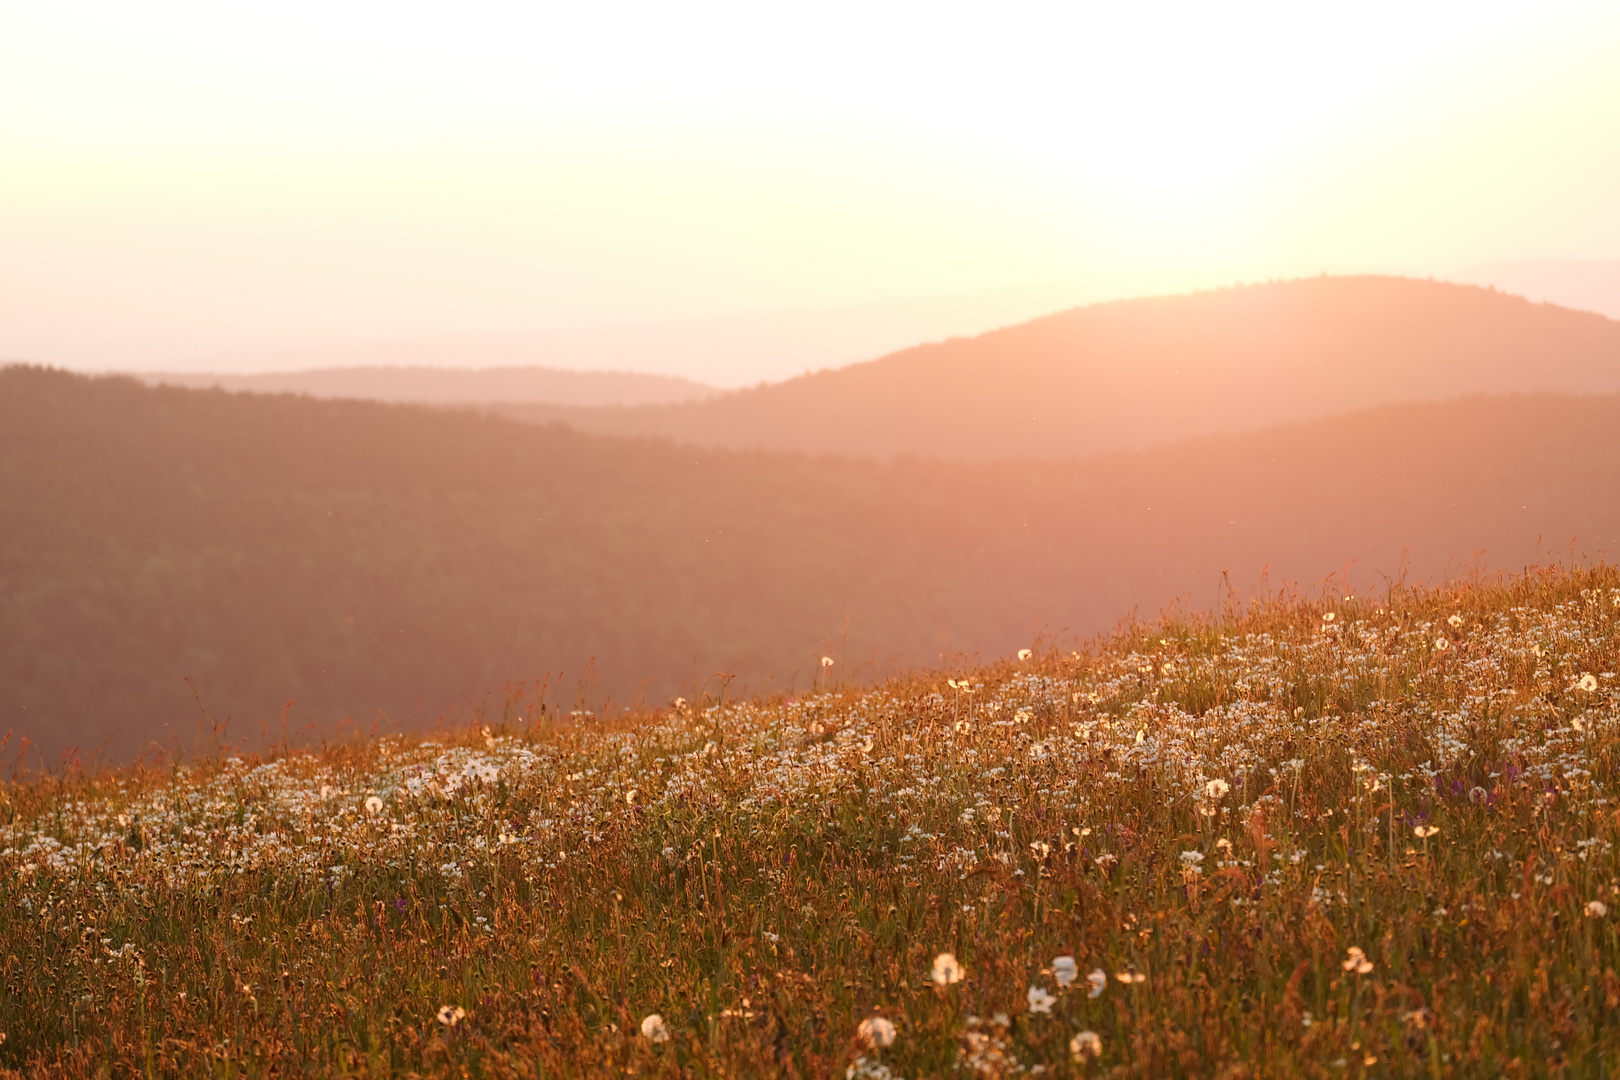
(1366, 836)
(1135, 373)
(387, 561)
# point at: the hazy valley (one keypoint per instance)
(387, 563)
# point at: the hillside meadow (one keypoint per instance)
(1348, 834)
(178, 560)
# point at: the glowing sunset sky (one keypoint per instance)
(247, 184)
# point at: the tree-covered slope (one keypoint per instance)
(386, 562)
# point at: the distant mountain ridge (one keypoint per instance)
(455, 386)
(1136, 373)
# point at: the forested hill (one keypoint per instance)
(1136, 373)
(390, 561)
(455, 386)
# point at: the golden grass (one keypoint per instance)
(1228, 808)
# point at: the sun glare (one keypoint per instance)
(442, 172)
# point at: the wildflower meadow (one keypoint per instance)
(1342, 835)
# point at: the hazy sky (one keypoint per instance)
(245, 184)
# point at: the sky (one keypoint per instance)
(737, 192)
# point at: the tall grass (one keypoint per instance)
(1350, 836)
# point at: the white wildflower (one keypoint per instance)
(864, 1068)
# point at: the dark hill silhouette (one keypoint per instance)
(1136, 373)
(375, 560)
(456, 386)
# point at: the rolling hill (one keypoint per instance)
(455, 386)
(387, 562)
(1135, 373)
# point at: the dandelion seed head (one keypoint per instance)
(1356, 961)
(1064, 970)
(876, 1031)
(947, 970)
(1098, 981)
(654, 1029)
(1086, 1046)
